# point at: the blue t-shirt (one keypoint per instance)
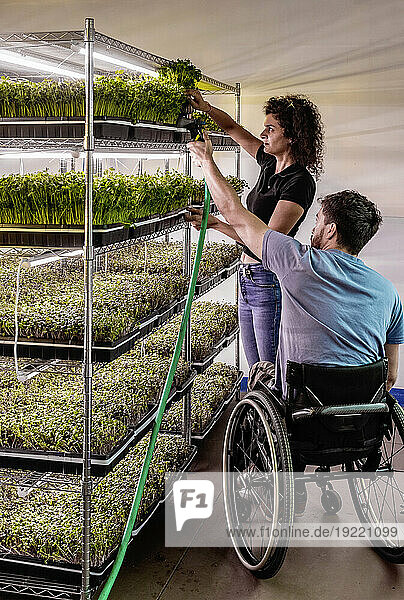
(335, 309)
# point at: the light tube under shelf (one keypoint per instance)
(37, 154)
(121, 63)
(34, 63)
(147, 156)
(36, 261)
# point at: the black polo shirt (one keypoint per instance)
(294, 184)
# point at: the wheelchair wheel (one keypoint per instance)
(256, 450)
(379, 498)
(331, 502)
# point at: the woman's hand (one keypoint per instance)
(196, 100)
(195, 218)
(201, 152)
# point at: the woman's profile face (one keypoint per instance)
(272, 136)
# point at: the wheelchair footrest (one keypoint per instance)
(343, 410)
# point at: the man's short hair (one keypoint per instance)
(357, 218)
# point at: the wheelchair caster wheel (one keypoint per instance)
(331, 502)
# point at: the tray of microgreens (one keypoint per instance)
(127, 305)
(50, 310)
(130, 97)
(47, 210)
(44, 209)
(41, 532)
(41, 422)
(211, 392)
(214, 325)
(219, 261)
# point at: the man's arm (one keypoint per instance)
(249, 228)
(392, 353)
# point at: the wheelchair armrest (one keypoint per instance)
(343, 410)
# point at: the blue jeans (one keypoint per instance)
(259, 312)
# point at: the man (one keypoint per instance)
(335, 309)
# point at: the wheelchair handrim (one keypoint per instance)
(230, 430)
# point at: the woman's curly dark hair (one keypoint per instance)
(301, 122)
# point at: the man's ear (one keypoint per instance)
(331, 230)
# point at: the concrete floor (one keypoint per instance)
(153, 572)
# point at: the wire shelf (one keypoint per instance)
(37, 588)
(29, 481)
(30, 368)
(76, 145)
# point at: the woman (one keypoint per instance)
(289, 153)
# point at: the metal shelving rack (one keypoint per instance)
(61, 48)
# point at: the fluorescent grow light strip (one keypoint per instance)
(64, 154)
(33, 63)
(37, 154)
(36, 261)
(135, 156)
(121, 63)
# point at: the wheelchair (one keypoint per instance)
(341, 420)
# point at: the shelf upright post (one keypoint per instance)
(88, 304)
(238, 170)
(187, 342)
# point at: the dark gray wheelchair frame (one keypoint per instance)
(331, 416)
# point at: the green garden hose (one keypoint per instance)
(167, 387)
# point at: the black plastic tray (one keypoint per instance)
(118, 128)
(104, 128)
(208, 283)
(158, 224)
(200, 367)
(52, 574)
(221, 139)
(174, 309)
(55, 236)
(71, 463)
